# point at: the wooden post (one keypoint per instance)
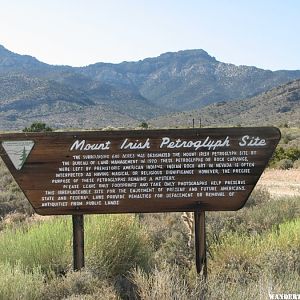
(200, 243)
(78, 242)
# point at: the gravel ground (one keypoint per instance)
(281, 182)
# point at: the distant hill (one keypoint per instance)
(130, 92)
(278, 106)
(189, 79)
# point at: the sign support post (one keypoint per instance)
(200, 243)
(78, 242)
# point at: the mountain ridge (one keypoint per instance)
(278, 106)
(136, 91)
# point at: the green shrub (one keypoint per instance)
(46, 244)
(242, 258)
(292, 153)
(255, 219)
(285, 156)
(259, 219)
(115, 244)
(144, 125)
(37, 127)
(17, 282)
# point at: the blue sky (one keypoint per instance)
(261, 33)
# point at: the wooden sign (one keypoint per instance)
(138, 171)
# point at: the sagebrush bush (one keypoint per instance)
(163, 284)
(46, 244)
(243, 258)
(296, 164)
(264, 217)
(256, 289)
(292, 153)
(171, 237)
(255, 219)
(284, 164)
(11, 197)
(17, 282)
(258, 196)
(78, 285)
(12, 220)
(115, 244)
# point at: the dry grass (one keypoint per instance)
(281, 182)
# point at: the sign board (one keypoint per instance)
(138, 171)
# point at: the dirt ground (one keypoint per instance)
(281, 182)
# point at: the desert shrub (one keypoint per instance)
(170, 237)
(284, 164)
(144, 125)
(253, 220)
(286, 138)
(280, 262)
(115, 244)
(37, 127)
(46, 244)
(78, 285)
(283, 244)
(12, 220)
(163, 284)
(264, 217)
(255, 289)
(285, 157)
(242, 258)
(161, 226)
(17, 282)
(11, 197)
(175, 250)
(258, 196)
(107, 295)
(296, 164)
(234, 259)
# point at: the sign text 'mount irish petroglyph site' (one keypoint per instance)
(138, 171)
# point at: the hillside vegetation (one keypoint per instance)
(278, 106)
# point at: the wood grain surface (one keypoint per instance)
(141, 171)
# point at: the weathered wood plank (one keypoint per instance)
(138, 171)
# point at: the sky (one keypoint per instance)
(261, 33)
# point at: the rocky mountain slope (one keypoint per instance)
(126, 93)
(278, 106)
(189, 79)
